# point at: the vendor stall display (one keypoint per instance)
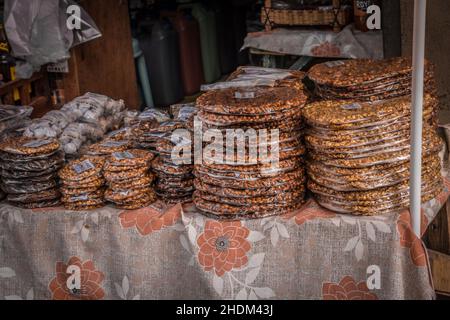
(250, 185)
(359, 154)
(82, 184)
(366, 80)
(29, 171)
(129, 179)
(86, 119)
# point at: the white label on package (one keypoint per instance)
(123, 155)
(114, 144)
(333, 64)
(83, 166)
(80, 198)
(244, 95)
(353, 106)
(37, 143)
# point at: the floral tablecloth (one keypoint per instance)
(349, 43)
(176, 253)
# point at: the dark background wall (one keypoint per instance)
(438, 41)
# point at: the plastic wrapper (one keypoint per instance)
(248, 193)
(252, 101)
(234, 120)
(250, 175)
(48, 195)
(154, 114)
(124, 195)
(125, 175)
(282, 199)
(388, 193)
(351, 73)
(255, 77)
(12, 117)
(429, 148)
(120, 134)
(93, 182)
(142, 181)
(16, 174)
(378, 208)
(130, 158)
(367, 80)
(29, 188)
(262, 183)
(97, 195)
(341, 115)
(142, 202)
(71, 192)
(170, 169)
(38, 31)
(39, 165)
(24, 180)
(256, 159)
(354, 141)
(107, 147)
(223, 211)
(82, 169)
(28, 147)
(84, 120)
(174, 184)
(376, 180)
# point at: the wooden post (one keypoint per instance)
(336, 8)
(267, 8)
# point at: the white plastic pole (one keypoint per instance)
(417, 112)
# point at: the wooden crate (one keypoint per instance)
(337, 18)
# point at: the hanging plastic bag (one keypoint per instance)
(43, 31)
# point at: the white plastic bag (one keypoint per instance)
(38, 31)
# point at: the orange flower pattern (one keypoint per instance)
(91, 280)
(347, 289)
(223, 246)
(149, 220)
(409, 240)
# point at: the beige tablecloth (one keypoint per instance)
(175, 253)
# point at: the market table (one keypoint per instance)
(176, 253)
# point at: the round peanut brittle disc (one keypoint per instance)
(30, 146)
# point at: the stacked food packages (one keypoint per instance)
(145, 131)
(82, 184)
(367, 80)
(129, 179)
(82, 121)
(262, 171)
(359, 154)
(174, 183)
(29, 172)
